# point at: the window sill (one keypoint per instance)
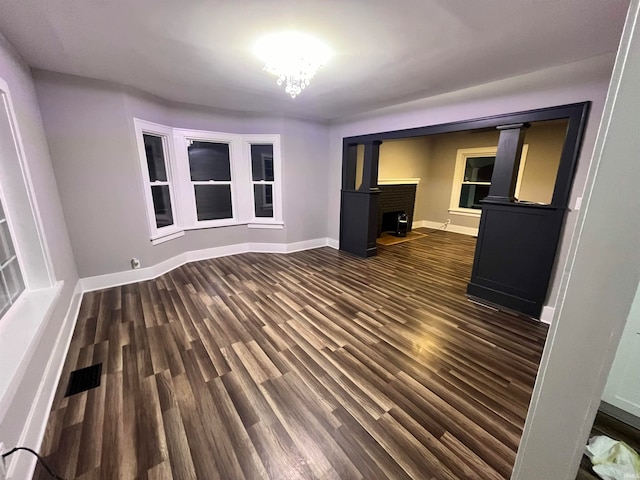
(19, 330)
(465, 212)
(166, 237)
(179, 233)
(266, 225)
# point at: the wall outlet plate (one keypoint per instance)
(135, 263)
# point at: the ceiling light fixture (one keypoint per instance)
(294, 57)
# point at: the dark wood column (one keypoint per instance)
(505, 169)
(517, 241)
(359, 207)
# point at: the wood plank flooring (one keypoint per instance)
(311, 365)
(613, 428)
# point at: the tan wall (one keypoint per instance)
(407, 159)
(441, 168)
(359, 166)
(433, 159)
(404, 158)
(545, 140)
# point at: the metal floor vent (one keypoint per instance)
(84, 379)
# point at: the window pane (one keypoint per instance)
(262, 162)
(162, 205)
(479, 169)
(13, 278)
(263, 199)
(5, 299)
(213, 202)
(155, 158)
(6, 245)
(472, 194)
(209, 161)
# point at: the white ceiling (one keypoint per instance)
(386, 51)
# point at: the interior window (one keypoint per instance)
(159, 182)
(210, 167)
(11, 281)
(476, 181)
(262, 173)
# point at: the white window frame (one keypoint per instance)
(274, 222)
(163, 234)
(182, 139)
(23, 321)
(458, 176)
(181, 188)
(16, 256)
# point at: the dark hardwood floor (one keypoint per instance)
(314, 364)
(613, 428)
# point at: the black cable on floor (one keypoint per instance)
(40, 459)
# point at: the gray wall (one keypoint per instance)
(14, 411)
(89, 126)
(577, 82)
(305, 149)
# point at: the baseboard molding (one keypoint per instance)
(32, 435)
(620, 414)
(109, 280)
(473, 232)
(333, 243)
(547, 314)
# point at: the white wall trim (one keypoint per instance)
(333, 243)
(398, 181)
(108, 280)
(466, 212)
(473, 232)
(458, 175)
(20, 331)
(547, 314)
(307, 245)
(31, 194)
(36, 423)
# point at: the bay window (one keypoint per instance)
(199, 179)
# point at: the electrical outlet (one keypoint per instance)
(3, 465)
(135, 263)
(448, 221)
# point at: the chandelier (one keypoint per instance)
(293, 57)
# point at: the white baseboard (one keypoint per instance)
(473, 232)
(547, 314)
(333, 243)
(109, 280)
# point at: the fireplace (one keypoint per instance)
(390, 221)
(393, 200)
